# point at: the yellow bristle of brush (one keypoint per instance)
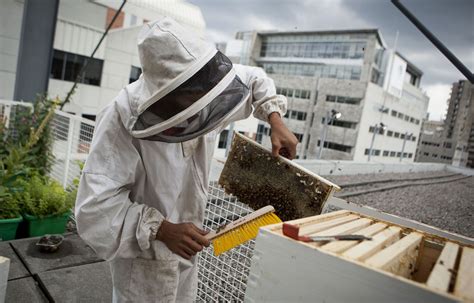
(242, 233)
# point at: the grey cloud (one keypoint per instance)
(452, 21)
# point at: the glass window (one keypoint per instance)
(389, 133)
(396, 135)
(223, 138)
(385, 153)
(392, 154)
(331, 98)
(66, 66)
(57, 67)
(394, 113)
(73, 66)
(135, 73)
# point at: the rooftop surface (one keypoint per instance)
(74, 271)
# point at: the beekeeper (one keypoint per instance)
(143, 190)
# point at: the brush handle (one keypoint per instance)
(239, 222)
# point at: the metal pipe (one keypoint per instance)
(441, 47)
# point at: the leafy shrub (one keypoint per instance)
(24, 151)
(42, 196)
(9, 207)
(23, 130)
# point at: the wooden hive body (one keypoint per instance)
(399, 264)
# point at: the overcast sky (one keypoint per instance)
(452, 21)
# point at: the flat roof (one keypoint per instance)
(326, 32)
(412, 67)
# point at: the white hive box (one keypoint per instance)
(399, 264)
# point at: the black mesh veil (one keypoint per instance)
(186, 95)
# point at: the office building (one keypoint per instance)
(351, 72)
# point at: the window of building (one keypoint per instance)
(299, 136)
(385, 153)
(399, 154)
(336, 146)
(396, 134)
(400, 115)
(410, 155)
(135, 73)
(342, 123)
(426, 154)
(413, 138)
(402, 136)
(380, 130)
(392, 154)
(435, 155)
(389, 133)
(260, 131)
(342, 99)
(394, 113)
(66, 66)
(223, 139)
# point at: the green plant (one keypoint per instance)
(30, 128)
(9, 207)
(43, 196)
(20, 158)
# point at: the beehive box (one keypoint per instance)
(258, 179)
(399, 264)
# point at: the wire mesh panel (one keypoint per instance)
(71, 139)
(8, 112)
(223, 278)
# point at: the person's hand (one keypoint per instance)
(283, 140)
(184, 239)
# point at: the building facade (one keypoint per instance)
(350, 72)
(454, 143)
(80, 25)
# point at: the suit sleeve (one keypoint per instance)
(264, 98)
(112, 224)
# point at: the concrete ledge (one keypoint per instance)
(4, 269)
(17, 269)
(329, 167)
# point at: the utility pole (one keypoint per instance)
(330, 117)
(377, 128)
(407, 136)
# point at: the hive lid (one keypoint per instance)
(258, 179)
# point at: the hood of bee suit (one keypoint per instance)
(187, 86)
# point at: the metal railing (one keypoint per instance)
(71, 139)
(220, 279)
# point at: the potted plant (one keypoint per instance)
(9, 215)
(45, 205)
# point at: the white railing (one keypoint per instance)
(71, 139)
(220, 279)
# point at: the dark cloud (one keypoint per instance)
(451, 21)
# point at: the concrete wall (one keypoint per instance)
(322, 167)
(340, 168)
(11, 15)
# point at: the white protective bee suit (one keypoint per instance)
(138, 173)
